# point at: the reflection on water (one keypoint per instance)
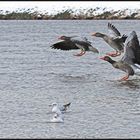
(133, 83)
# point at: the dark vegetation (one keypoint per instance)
(91, 13)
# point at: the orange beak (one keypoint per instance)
(93, 34)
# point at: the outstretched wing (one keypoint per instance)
(64, 45)
(66, 106)
(86, 40)
(113, 31)
(136, 47)
(132, 49)
(120, 39)
(81, 44)
(85, 45)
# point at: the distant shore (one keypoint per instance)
(69, 14)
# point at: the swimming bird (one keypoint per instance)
(57, 118)
(114, 39)
(61, 109)
(69, 43)
(131, 58)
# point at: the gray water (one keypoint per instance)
(32, 76)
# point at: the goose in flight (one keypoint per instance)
(114, 39)
(130, 61)
(68, 43)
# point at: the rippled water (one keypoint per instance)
(32, 76)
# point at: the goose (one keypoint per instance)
(130, 61)
(68, 43)
(114, 39)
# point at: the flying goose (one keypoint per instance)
(69, 43)
(114, 39)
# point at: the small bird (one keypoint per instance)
(61, 109)
(57, 118)
(114, 39)
(69, 43)
(131, 58)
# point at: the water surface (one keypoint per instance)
(32, 76)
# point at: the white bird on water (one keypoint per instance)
(61, 109)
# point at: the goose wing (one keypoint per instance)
(113, 31)
(81, 44)
(132, 49)
(86, 45)
(64, 45)
(86, 40)
(120, 39)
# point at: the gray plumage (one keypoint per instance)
(132, 50)
(120, 65)
(114, 39)
(131, 58)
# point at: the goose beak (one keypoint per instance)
(93, 34)
(102, 58)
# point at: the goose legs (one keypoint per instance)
(81, 53)
(124, 78)
(114, 54)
